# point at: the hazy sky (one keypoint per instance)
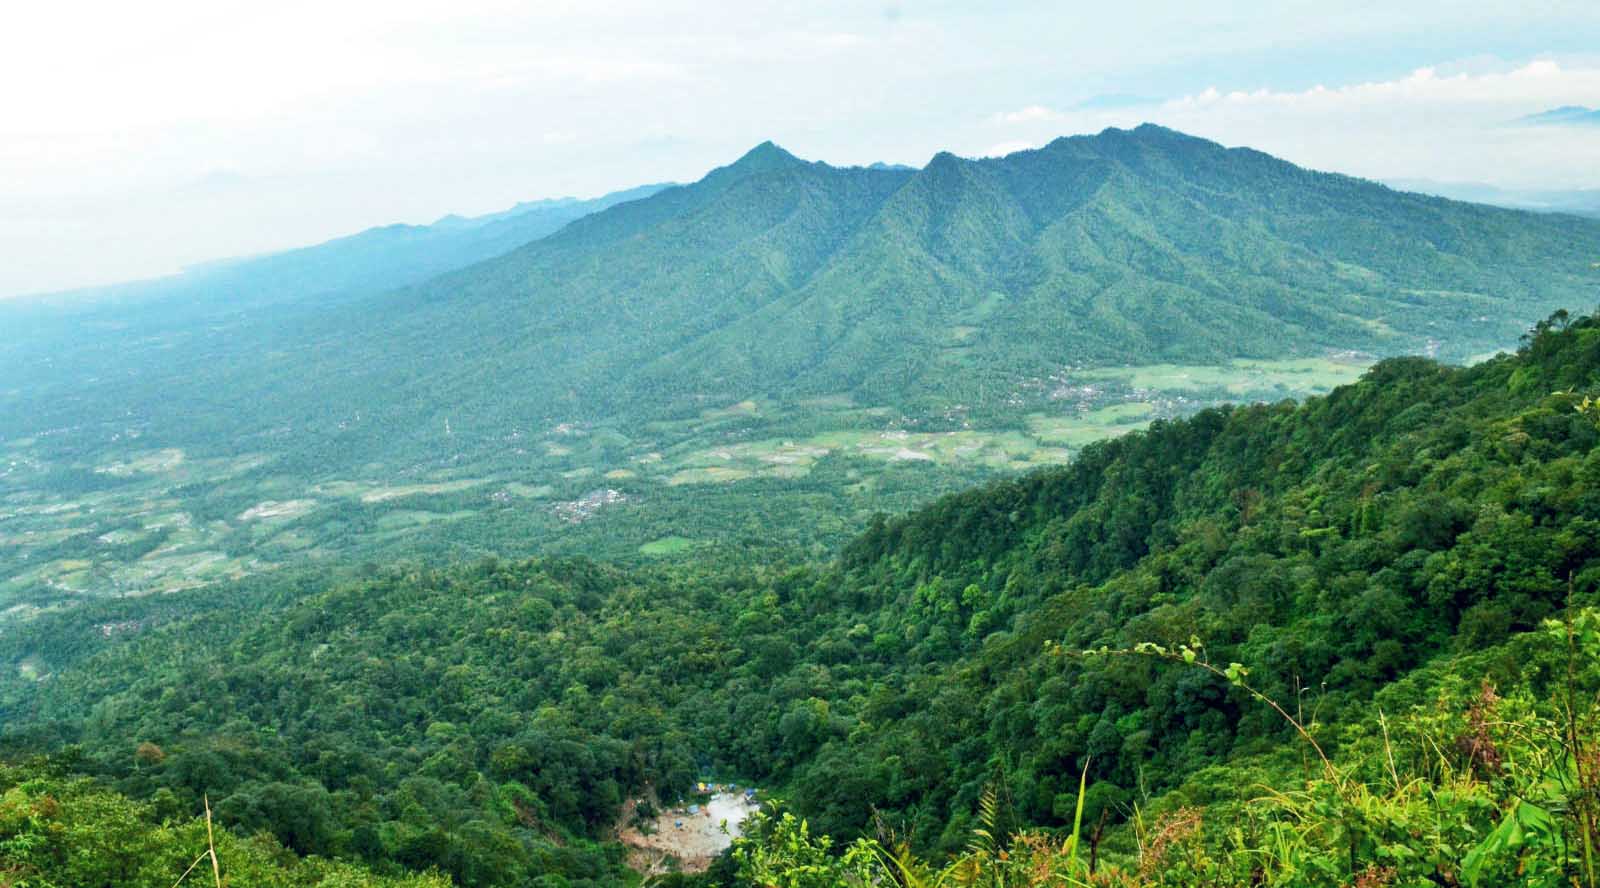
(139, 137)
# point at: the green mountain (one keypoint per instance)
(1379, 564)
(778, 338)
(776, 276)
(956, 283)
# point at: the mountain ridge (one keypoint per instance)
(1126, 246)
(499, 232)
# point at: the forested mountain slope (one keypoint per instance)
(1332, 546)
(950, 284)
(1127, 247)
(489, 719)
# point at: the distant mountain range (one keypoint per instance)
(775, 276)
(1567, 115)
(1582, 202)
(174, 336)
(398, 255)
(381, 258)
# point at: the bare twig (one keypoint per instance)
(211, 844)
(190, 869)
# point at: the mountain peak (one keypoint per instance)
(766, 157)
(1155, 129)
(1145, 132)
(1116, 138)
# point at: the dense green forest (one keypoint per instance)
(1296, 644)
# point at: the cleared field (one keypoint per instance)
(708, 475)
(743, 408)
(384, 494)
(1076, 432)
(1241, 378)
(271, 509)
(667, 546)
(410, 518)
(1003, 449)
(151, 462)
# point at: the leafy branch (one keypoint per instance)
(1235, 674)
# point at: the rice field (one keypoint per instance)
(1240, 378)
(155, 520)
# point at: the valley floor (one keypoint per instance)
(141, 520)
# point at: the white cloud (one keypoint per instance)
(333, 116)
(1030, 114)
(1001, 149)
(1534, 85)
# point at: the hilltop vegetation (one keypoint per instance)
(58, 831)
(1383, 560)
(781, 338)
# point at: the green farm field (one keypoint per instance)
(142, 522)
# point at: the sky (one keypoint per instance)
(137, 138)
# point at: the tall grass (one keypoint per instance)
(1473, 790)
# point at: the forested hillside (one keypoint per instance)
(1382, 558)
